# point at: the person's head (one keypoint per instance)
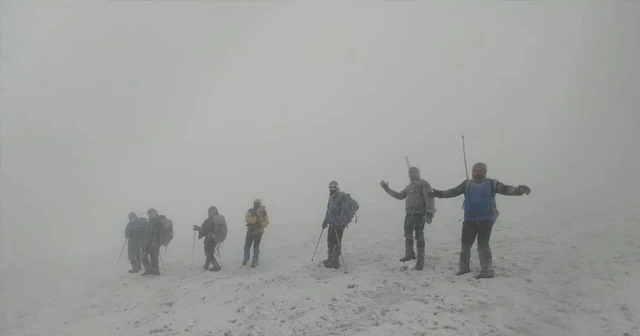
(212, 211)
(257, 203)
(132, 216)
(414, 173)
(479, 171)
(152, 213)
(333, 187)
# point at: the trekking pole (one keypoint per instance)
(318, 244)
(464, 155)
(217, 251)
(406, 158)
(164, 269)
(193, 248)
(123, 245)
(341, 254)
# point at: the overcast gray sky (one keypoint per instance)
(111, 107)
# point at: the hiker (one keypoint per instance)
(208, 231)
(151, 244)
(256, 219)
(336, 219)
(480, 213)
(419, 208)
(134, 234)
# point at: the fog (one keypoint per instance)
(111, 107)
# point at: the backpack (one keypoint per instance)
(166, 230)
(354, 206)
(479, 206)
(219, 229)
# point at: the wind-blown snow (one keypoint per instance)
(554, 277)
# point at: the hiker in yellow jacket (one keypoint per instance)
(256, 219)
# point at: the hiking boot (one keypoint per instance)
(463, 272)
(215, 268)
(408, 257)
(485, 275)
(147, 272)
(156, 272)
(244, 262)
(254, 263)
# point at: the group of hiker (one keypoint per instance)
(480, 213)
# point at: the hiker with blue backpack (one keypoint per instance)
(419, 209)
(480, 213)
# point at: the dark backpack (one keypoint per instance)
(166, 230)
(354, 206)
(219, 228)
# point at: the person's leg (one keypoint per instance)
(256, 249)
(484, 250)
(469, 232)
(418, 224)
(409, 228)
(248, 240)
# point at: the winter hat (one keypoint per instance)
(257, 200)
(481, 165)
(333, 184)
(132, 216)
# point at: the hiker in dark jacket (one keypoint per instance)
(336, 219)
(151, 244)
(134, 233)
(207, 231)
(419, 208)
(480, 213)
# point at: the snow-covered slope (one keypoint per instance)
(553, 278)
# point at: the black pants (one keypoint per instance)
(134, 250)
(209, 250)
(334, 240)
(481, 229)
(150, 258)
(254, 239)
(414, 224)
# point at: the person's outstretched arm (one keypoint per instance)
(449, 193)
(507, 190)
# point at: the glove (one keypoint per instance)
(523, 189)
(384, 185)
(196, 228)
(428, 218)
(324, 225)
(434, 193)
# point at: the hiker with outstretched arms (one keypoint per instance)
(336, 219)
(257, 220)
(151, 244)
(419, 208)
(134, 234)
(208, 231)
(480, 213)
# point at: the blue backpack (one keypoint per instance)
(479, 201)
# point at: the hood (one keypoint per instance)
(213, 211)
(414, 173)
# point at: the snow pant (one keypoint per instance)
(150, 258)
(334, 241)
(134, 250)
(481, 229)
(209, 251)
(250, 239)
(414, 224)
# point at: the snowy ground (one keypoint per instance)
(554, 277)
